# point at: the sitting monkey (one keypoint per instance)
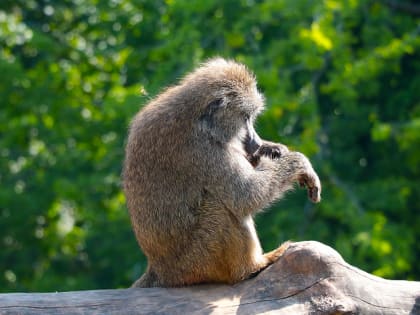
(195, 174)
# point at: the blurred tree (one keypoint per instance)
(342, 86)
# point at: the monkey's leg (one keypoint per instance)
(273, 255)
(270, 257)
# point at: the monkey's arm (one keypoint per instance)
(250, 189)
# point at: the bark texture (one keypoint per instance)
(311, 278)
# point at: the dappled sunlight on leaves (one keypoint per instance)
(341, 85)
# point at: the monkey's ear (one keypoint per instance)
(214, 105)
(207, 118)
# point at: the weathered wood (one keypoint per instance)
(311, 278)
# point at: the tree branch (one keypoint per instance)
(310, 278)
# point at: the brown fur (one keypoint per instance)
(190, 187)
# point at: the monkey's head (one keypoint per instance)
(227, 100)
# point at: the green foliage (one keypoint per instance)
(342, 86)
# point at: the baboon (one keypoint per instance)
(195, 174)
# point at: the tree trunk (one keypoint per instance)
(311, 278)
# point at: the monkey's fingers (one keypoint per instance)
(272, 151)
(313, 185)
(276, 153)
(314, 195)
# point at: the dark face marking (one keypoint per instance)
(255, 148)
(252, 141)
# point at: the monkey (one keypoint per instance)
(195, 174)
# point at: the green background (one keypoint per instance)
(342, 84)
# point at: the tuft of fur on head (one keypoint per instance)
(224, 71)
(228, 96)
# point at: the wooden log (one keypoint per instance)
(311, 278)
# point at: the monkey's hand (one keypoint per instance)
(310, 180)
(304, 174)
(269, 149)
(272, 150)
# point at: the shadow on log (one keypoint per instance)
(311, 278)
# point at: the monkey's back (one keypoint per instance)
(161, 185)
